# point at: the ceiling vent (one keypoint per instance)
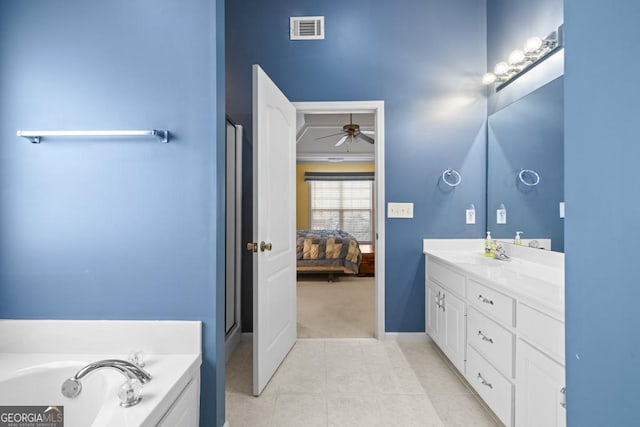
(306, 28)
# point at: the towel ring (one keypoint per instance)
(534, 174)
(449, 172)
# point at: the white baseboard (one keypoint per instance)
(247, 337)
(232, 342)
(407, 336)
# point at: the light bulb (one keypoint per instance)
(488, 78)
(516, 57)
(532, 45)
(501, 68)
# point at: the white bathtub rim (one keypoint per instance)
(158, 395)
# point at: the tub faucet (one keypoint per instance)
(129, 392)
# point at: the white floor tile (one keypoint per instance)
(354, 382)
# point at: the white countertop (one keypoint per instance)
(538, 283)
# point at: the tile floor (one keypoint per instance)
(354, 382)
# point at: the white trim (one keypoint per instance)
(407, 336)
(377, 108)
(232, 341)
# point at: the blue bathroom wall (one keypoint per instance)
(424, 59)
(113, 228)
(601, 173)
(509, 25)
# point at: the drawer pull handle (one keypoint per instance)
(563, 398)
(442, 301)
(484, 382)
(485, 300)
(484, 337)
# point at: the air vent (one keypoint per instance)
(306, 27)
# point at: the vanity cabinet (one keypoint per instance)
(512, 353)
(446, 311)
(541, 393)
(446, 322)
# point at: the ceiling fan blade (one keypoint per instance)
(365, 138)
(342, 140)
(329, 136)
(368, 132)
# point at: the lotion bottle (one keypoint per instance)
(517, 240)
(488, 246)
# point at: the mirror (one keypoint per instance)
(528, 134)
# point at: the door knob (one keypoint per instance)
(265, 246)
(252, 247)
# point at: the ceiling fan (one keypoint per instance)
(351, 132)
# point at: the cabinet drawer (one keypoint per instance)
(446, 277)
(491, 340)
(543, 331)
(492, 302)
(494, 389)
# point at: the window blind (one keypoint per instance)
(345, 205)
(339, 176)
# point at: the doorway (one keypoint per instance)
(370, 112)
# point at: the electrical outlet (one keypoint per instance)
(471, 216)
(399, 210)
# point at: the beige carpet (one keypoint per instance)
(343, 308)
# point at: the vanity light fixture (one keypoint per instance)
(520, 61)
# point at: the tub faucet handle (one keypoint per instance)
(130, 393)
(137, 358)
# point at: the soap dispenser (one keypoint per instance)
(517, 240)
(488, 246)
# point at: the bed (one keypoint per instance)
(327, 251)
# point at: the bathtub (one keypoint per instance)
(171, 398)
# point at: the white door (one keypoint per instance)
(453, 330)
(274, 240)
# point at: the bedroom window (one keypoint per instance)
(345, 205)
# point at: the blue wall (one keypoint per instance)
(602, 153)
(112, 229)
(424, 59)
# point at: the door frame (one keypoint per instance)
(377, 108)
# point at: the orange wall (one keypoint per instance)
(302, 188)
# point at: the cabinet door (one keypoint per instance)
(454, 330)
(434, 324)
(540, 383)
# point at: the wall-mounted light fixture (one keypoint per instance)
(520, 61)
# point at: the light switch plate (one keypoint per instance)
(399, 210)
(561, 209)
